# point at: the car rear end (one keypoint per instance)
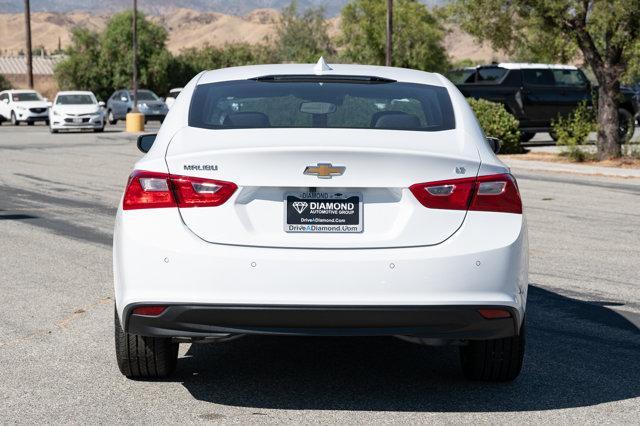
(361, 201)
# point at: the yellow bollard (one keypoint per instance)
(135, 122)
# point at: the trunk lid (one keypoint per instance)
(269, 164)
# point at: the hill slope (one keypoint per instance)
(189, 28)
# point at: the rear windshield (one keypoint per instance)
(80, 99)
(310, 103)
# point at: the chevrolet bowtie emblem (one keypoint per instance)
(324, 170)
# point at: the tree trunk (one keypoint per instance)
(608, 138)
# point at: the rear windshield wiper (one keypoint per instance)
(310, 78)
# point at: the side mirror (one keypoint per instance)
(101, 104)
(145, 142)
(494, 143)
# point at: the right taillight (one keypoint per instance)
(148, 190)
(494, 193)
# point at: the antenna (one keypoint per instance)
(321, 66)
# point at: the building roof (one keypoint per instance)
(18, 65)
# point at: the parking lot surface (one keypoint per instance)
(58, 197)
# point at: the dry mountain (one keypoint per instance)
(188, 28)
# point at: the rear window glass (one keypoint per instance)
(490, 75)
(462, 76)
(569, 78)
(321, 104)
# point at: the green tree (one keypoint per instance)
(4, 83)
(81, 70)
(104, 62)
(116, 54)
(417, 41)
(191, 61)
(606, 33)
(302, 37)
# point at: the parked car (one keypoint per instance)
(320, 200)
(173, 94)
(23, 106)
(536, 94)
(76, 110)
(149, 104)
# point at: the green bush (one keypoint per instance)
(498, 123)
(573, 130)
(4, 83)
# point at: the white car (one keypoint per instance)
(306, 200)
(76, 110)
(171, 98)
(18, 106)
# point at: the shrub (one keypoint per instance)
(498, 123)
(573, 130)
(4, 83)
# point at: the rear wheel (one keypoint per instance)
(30, 123)
(526, 136)
(14, 119)
(112, 120)
(625, 125)
(496, 360)
(142, 357)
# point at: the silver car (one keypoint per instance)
(149, 104)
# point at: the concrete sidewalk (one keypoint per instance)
(581, 169)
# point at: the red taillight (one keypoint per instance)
(151, 311)
(494, 313)
(495, 193)
(147, 190)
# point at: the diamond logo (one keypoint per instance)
(300, 206)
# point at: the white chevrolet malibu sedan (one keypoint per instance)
(76, 110)
(320, 200)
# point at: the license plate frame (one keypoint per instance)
(317, 218)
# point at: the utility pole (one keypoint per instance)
(27, 25)
(389, 32)
(135, 56)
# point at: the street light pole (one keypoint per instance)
(135, 56)
(389, 32)
(27, 25)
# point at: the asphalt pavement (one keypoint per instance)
(58, 197)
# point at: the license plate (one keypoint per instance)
(323, 212)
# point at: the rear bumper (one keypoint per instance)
(438, 322)
(157, 260)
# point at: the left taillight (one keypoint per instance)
(148, 190)
(494, 193)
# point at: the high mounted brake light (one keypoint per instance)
(150, 190)
(493, 193)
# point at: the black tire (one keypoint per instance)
(47, 122)
(14, 119)
(526, 136)
(110, 118)
(30, 123)
(553, 135)
(98, 130)
(497, 360)
(625, 125)
(141, 357)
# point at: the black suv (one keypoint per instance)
(537, 93)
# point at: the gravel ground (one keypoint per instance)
(57, 203)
